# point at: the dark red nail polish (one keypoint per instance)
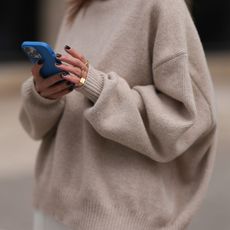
(67, 47)
(71, 87)
(63, 74)
(58, 55)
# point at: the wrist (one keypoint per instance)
(93, 84)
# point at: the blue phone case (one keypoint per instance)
(40, 50)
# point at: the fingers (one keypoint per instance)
(44, 83)
(71, 61)
(54, 87)
(75, 53)
(73, 79)
(74, 63)
(51, 80)
(70, 69)
(61, 94)
(57, 90)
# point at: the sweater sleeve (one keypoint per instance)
(164, 119)
(38, 115)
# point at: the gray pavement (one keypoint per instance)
(17, 162)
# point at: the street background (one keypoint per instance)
(18, 151)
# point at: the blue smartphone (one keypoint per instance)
(36, 50)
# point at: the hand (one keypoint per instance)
(75, 64)
(53, 87)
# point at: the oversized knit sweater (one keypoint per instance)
(133, 149)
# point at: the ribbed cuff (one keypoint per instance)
(93, 85)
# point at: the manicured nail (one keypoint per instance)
(67, 47)
(63, 74)
(40, 61)
(71, 87)
(58, 55)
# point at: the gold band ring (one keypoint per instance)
(83, 76)
(87, 63)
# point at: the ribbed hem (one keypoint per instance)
(79, 212)
(91, 218)
(93, 85)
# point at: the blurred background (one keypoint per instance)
(40, 20)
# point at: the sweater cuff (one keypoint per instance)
(30, 91)
(93, 85)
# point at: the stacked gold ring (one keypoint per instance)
(87, 63)
(83, 75)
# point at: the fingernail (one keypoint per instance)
(63, 74)
(71, 87)
(40, 61)
(58, 63)
(58, 55)
(67, 47)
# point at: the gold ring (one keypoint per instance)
(82, 79)
(87, 63)
(83, 75)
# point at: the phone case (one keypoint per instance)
(41, 50)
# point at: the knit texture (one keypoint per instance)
(133, 149)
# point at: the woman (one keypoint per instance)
(132, 146)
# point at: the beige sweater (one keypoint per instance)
(134, 148)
